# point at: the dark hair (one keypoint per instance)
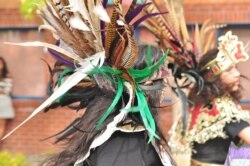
(4, 72)
(211, 89)
(81, 133)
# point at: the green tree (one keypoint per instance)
(29, 7)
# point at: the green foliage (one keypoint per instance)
(29, 7)
(8, 159)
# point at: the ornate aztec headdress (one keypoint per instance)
(97, 50)
(231, 51)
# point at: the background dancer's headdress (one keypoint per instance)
(231, 51)
(171, 30)
(94, 50)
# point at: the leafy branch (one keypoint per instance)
(29, 7)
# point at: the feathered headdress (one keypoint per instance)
(92, 46)
(171, 30)
(231, 51)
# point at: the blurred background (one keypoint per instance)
(30, 74)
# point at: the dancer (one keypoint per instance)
(185, 52)
(215, 118)
(121, 140)
(116, 84)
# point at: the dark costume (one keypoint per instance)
(125, 149)
(128, 146)
(213, 129)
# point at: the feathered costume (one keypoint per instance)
(207, 120)
(97, 58)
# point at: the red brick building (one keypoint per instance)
(30, 74)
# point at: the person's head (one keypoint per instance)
(96, 101)
(3, 68)
(218, 68)
(229, 77)
(158, 76)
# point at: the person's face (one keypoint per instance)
(231, 77)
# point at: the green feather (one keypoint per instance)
(113, 104)
(139, 75)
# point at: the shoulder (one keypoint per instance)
(224, 100)
(226, 104)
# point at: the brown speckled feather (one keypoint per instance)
(124, 48)
(111, 31)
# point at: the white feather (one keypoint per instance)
(76, 22)
(120, 22)
(56, 1)
(101, 13)
(47, 27)
(51, 46)
(51, 29)
(79, 6)
(69, 83)
(130, 92)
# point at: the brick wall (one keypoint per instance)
(26, 139)
(12, 17)
(224, 12)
